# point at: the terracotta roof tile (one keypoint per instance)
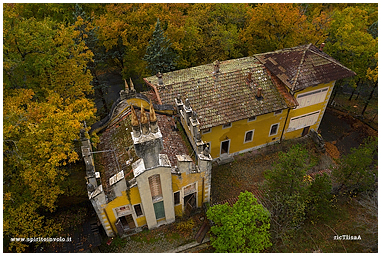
(223, 97)
(303, 66)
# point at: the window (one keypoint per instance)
(190, 189)
(278, 112)
(155, 186)
(249, 136)
(303, 121)
(206, 130)
(253, 118)
(274, 129)
(311, 98)
(138, 210)
(227, 125)
(177, 197)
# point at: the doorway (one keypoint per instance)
(225, 147)
(305, 131)
(128, 221)
(190, 203)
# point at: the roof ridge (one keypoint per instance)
(330, 59)
(300, 66)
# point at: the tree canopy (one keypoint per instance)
(244, 227)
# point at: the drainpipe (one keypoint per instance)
(284, 126)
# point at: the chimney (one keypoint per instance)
(249, 79)
(153, 119)
(160, 78)
(322, 46)
(135, 123)
(216, 66)
(259, 93)
(144, 121)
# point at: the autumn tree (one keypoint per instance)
(160, 56)
(244, 227)
(45, 103)
(276, 26)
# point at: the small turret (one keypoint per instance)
(144, 121)
(153, 119)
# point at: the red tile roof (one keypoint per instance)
(222, 97)
(303, 66)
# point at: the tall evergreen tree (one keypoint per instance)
(159, 55)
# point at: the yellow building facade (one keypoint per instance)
(248, 103)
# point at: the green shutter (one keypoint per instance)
(159, 210)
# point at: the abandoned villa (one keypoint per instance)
(144, 175)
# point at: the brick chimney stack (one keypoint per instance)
(322, 46)
(160, 78)
(259, 93)
(216, 66)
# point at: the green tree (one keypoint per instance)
(241, 228)
(358, 169)
(160, 56)
(350, 42)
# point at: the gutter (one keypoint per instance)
(155, 90)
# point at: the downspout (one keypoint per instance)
(284, 126)
(155, 90)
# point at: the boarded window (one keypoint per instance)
(123, 210)
(303, 121)
(138, 210)
(249, 136)
(312, 98)
(177, 197)
(155, 186)
(190, 189)
(274, 129)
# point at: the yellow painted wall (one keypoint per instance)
(236, 133)
(186, 179)
(309, 109)
(123, 200)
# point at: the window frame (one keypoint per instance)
(205, 131)
(227, 125)
(141, 209)
(174, 198)
(277, 129)
(279, 112)
(324, 90)
(252, 136)
(253, 118)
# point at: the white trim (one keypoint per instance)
(277, 129)
(178, 191)
(230, 125)
(141, 207)
(316, 99)
(252, 137)
(221, 146)
(205, 131)
(182, 194)
(308, 119)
